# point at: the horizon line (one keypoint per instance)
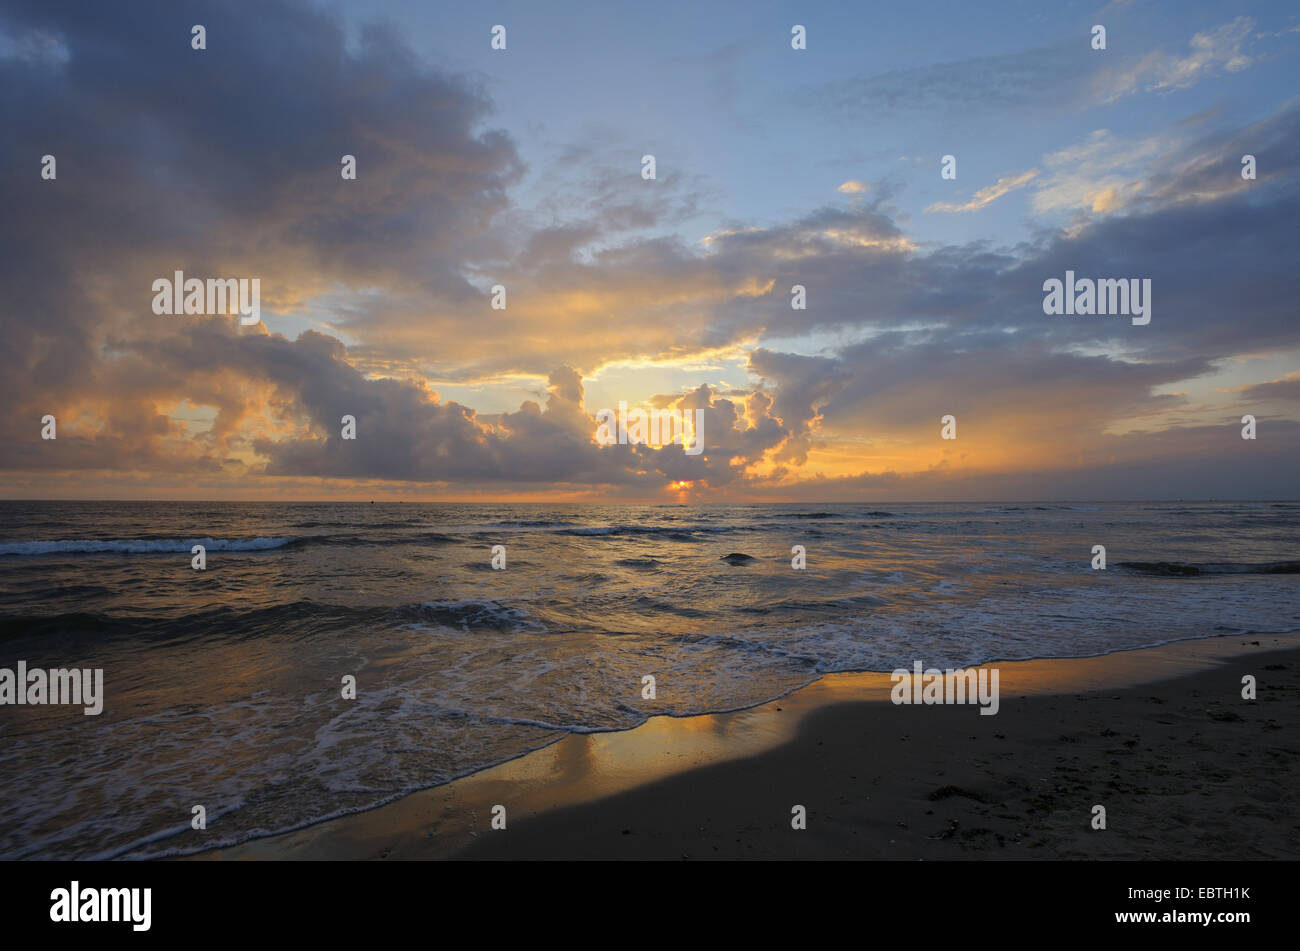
(649, 501)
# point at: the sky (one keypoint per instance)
(522, 168)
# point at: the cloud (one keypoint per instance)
(988, 194)
(1064, 76)
(1223, 49)
(1286, 389)
(1108, 174)
(226, 162)
(1054, 73)
(228, 166)
(1099, 174)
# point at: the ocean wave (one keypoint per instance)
(473, 612)
(638, 563)
(142, 546)
(676, 610)
(823, 515)
(355, 523)
(811, 605)
(290, 618)
(366, 541)
(1182, 569)
(671, 531)
(532, 523)
(42, 627)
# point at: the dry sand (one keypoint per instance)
(1185, 768)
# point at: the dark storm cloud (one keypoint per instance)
(223, 162)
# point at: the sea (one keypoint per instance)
(224, 687)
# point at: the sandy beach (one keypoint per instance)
(1161, 737)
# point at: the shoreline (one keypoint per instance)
(706, 786)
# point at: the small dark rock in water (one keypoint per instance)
(736, 558)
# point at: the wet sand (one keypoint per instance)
(1161, 737)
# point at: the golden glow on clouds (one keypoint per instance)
(857, 239)
(989, 194)
(703, 361)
